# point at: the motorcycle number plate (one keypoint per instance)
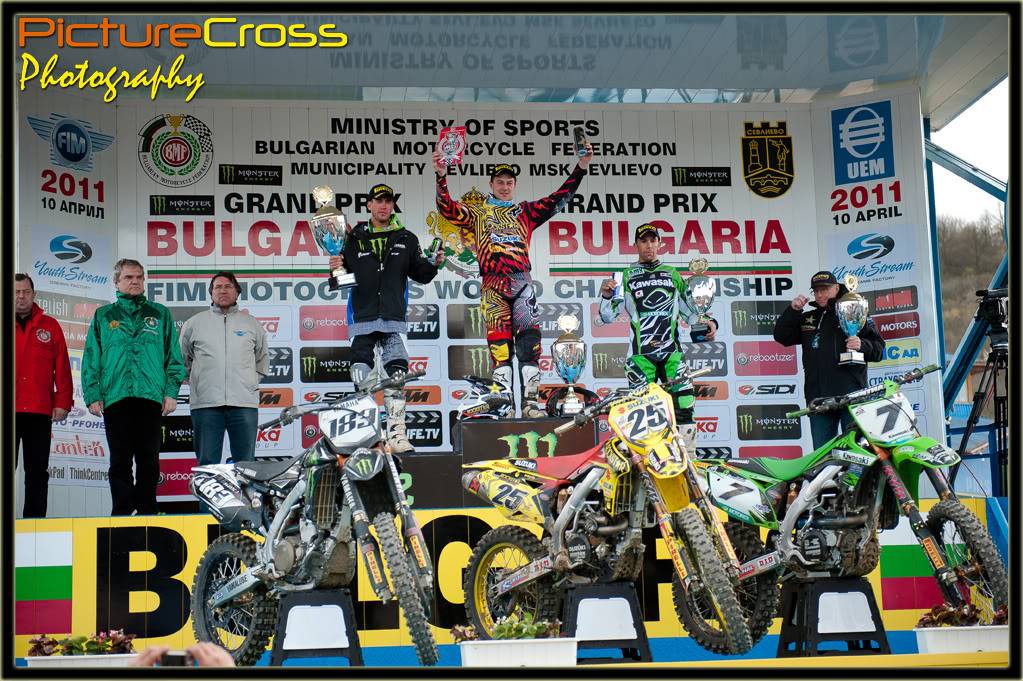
(888, 420)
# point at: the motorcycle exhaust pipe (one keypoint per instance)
(807, 495)
(611, 530)
(857, 520)
(572, 506)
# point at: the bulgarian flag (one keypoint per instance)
(42, 583)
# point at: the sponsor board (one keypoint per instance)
(899, 352)
(549, 313)
(756, 317)
(72, 142)
(547, 389)
(280, 365)
(712, 354)
(63, 261)
(880, 258)
(619, 328)
(897, 299)
(701, 176)
(329, 364)
(713, 452)
(767, 422)
(713, 424)
(75, 472)
(876, 375)
(79, 420)
(80, 446)
(862, 142)
(423, 321)
(276, 398)
(180, 314)
(281, 438)
(275, 320)
(768, 164)
(237, 173)
(773, 451)
(323, 322)
(421, 395)
(466, 321)
(765, 391)
(764, 358)
(425, 358)
(468, 360)
(710, 390)
(175, 150)
(901, 325)
(484, 439)
(63, 307)
(176, 434)
(424, 428)
(607, 360)
(74, 334)
(171, 204)
(175, 474)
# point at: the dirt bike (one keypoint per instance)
(592, 508)
(487, 398)
(302, 521)
(824, 510)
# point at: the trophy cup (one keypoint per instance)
(331, 229)
(569, 355)
(852, 315)
(699, 296)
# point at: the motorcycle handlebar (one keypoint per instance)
(821, 405)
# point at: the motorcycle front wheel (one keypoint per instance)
(498, 553)
(405, 589)
(243, 626)
(708, 608)
(971, 555)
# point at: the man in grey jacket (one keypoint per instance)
(225, 356)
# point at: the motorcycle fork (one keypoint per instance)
(944, 576)
(940, 483)
(412, 534)
(664, 523)
(368, 546)
(701, 501)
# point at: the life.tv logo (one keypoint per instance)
(862, 141)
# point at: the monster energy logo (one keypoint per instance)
(363, 465)
(532, 439)
(157, 204)
(377, 246)
(746, 423)
(163, 433)
(480, 360)
(227, 173)
(309, 365)
(739, 317)
(600, 361)
(475, 319)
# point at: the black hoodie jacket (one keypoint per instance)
(823, 375)
(382, 263)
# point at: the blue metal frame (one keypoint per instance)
(932, 217)
(996, 490)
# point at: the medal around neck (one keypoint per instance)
(699, 297)
(330, 228)
(852, 316)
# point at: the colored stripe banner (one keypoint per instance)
(42, 583)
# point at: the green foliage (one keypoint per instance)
(510, 627)
(966, 615)
(114, 641)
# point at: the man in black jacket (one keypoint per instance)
(823, 340)
(383, 255)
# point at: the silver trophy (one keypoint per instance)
(331, 229)
(569, 355)
(699, 296)
(852, 316)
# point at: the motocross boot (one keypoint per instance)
(530, 376)
(394, 405)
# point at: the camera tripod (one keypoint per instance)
(993, 383)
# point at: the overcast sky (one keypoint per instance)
(979, 135)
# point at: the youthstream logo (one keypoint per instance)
(214, 32)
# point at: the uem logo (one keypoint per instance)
(72, 142)
(70, 248)
(862, 142)
(872, 246)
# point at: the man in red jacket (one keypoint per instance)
(42, 393)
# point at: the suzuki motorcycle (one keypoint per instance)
(294, 526)
(590, 510)
(824, 510)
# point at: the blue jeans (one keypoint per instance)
(209, 425)
(823, 427)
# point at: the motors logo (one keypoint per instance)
(280, 365)
(72, 142)
(900, 352)
(234, 173)
(468, 360)
(756, 317)
(169, 204)
(764, 358)
(608, 359)
(175, 150)
(750, 391)
(711, 390)
(423, 321)
(768, 164)
(70, 248)
(330, 364)
(870, 246)
(273, 398)
(709, 354)
(767, 422)
(903, 325)
(323, 322)
(862, 142)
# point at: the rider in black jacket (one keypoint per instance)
(823, 340)
(383, 256)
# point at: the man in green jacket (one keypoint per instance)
(131, 372)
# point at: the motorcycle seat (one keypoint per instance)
(787, 469)
(262, 471)
(561, 467)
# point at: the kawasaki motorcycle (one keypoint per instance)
(590, 510)
(824, 510)
(294, 526)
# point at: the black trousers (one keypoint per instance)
(32, 433)
(133, 433)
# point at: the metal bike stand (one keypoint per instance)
(607, 616)
(830, 609)
(316, 624)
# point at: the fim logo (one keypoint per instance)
(72, 142)
(531, 440)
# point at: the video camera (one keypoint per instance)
(993, 308)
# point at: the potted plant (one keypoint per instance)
(516, 643)
(945, 629)
(111, 648)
